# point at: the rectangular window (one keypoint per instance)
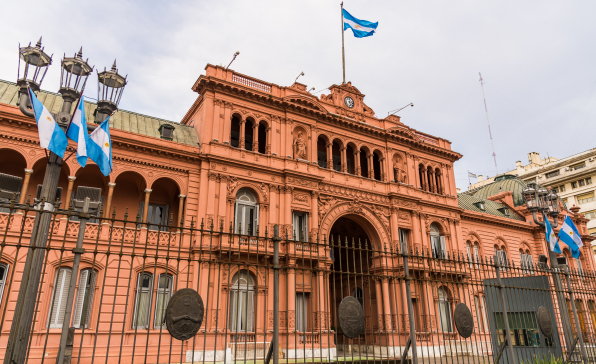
(552, 174)
(164, 292)
(578, 264)
(157, 216)
(143, 301)
(589, 180)
(577, 166)
(403, 240)
(523, 328)
(84, 299)
(469, 251)
(438, 246)
(562, 188)
(476, 256)
(247, 220)
(564, 200)
(301, 311)
(590, 215)
(478, 314)
(574, 185)
(300, 226)
(582, 183)
(526, 263)
(484, 317)
(585, 198)
(59, 297)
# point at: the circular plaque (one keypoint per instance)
(463, 320)
(545, 322)
(184, 314)
(351, 317)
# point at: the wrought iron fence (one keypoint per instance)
(340, 298)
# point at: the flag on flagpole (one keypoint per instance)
(51, 136)
(77, 131)
(99, 147)
(570, 236)
(551, 237)
(360, 28)
(471, 175)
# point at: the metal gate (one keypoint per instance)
(341, 297)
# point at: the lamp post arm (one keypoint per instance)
(555, 221)
(24, 105)
(539, 223)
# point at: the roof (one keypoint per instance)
(122, 120)
(468, 202)
(506, 183)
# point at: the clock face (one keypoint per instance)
(349, 102)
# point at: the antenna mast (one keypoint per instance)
(488, 121)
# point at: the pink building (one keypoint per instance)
(249, 155)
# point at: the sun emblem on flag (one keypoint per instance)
(571, 233)
(49, 118)
(107, 145)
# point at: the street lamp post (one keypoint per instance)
(74, 74)
(539, 199)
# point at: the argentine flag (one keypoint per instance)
(51, 136)
(551, 237)
(570, 236)
(360, 28)
(99, 147)
(77, 131)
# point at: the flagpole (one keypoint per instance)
(343, 54)
(469, 183)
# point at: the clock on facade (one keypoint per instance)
(349, 102)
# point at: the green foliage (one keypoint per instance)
(543, 360)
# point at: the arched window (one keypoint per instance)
(477, 255)
(469, 252)
(247, 213)
(262, 132)
(336, 155)
(59, 296)
(359, 295)
(501, 254)
(164, 292)
(444, 310)
(438, 182)
(322, 152)
(235, 132)
(422, 177)
(241, 305)
(437, 242)
(363, 163)
(143, 301)
(376, 166)
(248, 134)
(84, 299)
(430, 179)
(350, 160)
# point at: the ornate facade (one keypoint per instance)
(249, 155)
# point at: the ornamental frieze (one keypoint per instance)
(302, 182)
(351, 193)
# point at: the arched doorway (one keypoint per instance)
(352, 250)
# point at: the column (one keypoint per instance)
(287, 208)
(71, 180)
(255, 137)
(416, 231)
(329, 156)
(241, 142)
(371, 167)
(218, 118)
(386, 305)
(225, 131)
(212, 177)
(291, 296)
(357, 163)
(380, 305)
(181, 198)
(395, 227)
(273, 201)
(382, 168)
(111, 186)
(322, 316)
(146, 205)
(344, 164)
(221, 211)
(314, 216)
(25, 188)
(268, 144)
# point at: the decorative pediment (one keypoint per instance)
(305, 101)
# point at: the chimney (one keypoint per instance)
(534, 157)
(458, 190)
(518, 164)
(480, 178)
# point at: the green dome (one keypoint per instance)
(502, 183)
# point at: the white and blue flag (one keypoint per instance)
(570, 236)
(51, 136)
(99, 147)
(551, 237)
(360, 28)
(77, 131)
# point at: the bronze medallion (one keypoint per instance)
(351, 317)
(184, 314)
(463, 320)
(545, 322)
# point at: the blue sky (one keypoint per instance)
(536, 57)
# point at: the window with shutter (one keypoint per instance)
(241, 306)
(164, 292)
(300, 226)
(477, 255)
(403, 240)
(469, 251)
(301, 312)
(478, 314)
(59, 297)
(84, 298)
(247, 213)
(143, 301)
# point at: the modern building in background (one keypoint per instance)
(249, 155)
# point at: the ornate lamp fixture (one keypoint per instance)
(73, 77)
(36, 63)
(109, 91)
